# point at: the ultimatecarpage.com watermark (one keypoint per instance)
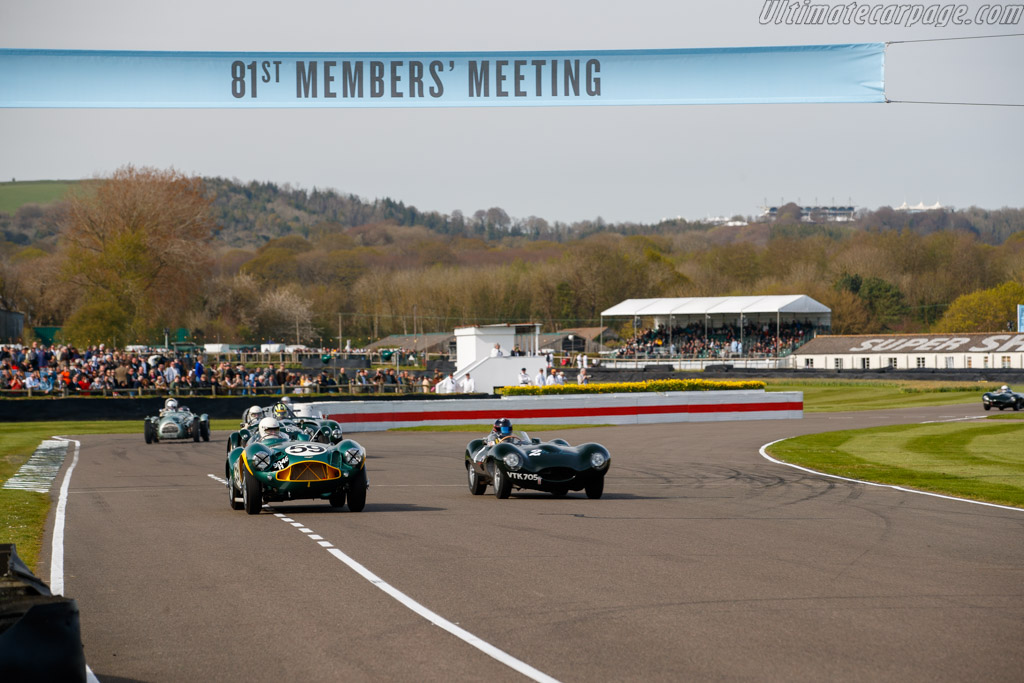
(808, 13)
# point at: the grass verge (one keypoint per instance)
(979, 460)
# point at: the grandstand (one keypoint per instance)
(717, 327)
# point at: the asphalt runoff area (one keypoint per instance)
(703, 561)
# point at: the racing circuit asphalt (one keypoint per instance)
(703, 561)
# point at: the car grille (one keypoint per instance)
(555, 474)
(308, 471)
(169, 428)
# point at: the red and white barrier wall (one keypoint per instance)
(633, 408)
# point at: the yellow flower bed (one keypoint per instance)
(656, 385)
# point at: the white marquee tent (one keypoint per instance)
(716, 311)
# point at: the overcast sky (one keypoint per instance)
(637, 164)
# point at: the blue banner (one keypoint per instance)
(749, 75)
(1020, 318)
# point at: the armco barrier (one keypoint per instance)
(631, 408)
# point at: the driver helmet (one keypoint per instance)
(255, 413)
(170, 404)
(503, 426)
(280, 410)
(269, 427)
(1005, 389)
(287, 400)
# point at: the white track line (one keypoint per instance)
(764, 454)
(431, 616)
(954, 419)
(57, 547)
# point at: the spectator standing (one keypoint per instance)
(468, 386)
(582, 377)
(524, 378)
(446, 385)
(121, 374)
(551, 378)
(46, 377)
(171, 375)
(32, 381)
(281, 376)
(539, 380)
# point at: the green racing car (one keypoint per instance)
(273, 467)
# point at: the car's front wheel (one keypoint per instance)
(357, 492)
(987, 407)
(252, 493)
(338, 499)
(147, 430)
(477, 486)
(502, 484)
(560, 492)
(204, 430)
(233, 495)
(1016, 406)
(595, 488)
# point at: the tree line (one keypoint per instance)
(148, 249)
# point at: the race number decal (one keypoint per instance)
(305, 450)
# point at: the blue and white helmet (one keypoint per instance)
(503, 426)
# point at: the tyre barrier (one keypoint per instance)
(40, 633)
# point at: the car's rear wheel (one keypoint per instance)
(195, 430)
(502, 484)
(147, 430)
(233, 495)
(595, 488)
(252, 493)
(204, 430)
(1016, 406)
(357, 492)
(477, 486)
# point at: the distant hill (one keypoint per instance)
(14, 195)
(251, 214)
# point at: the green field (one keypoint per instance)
(829, 396)
(13, 195)
(980, 460)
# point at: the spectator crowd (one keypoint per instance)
(98, 370)
(61, 369)
(757, 340)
